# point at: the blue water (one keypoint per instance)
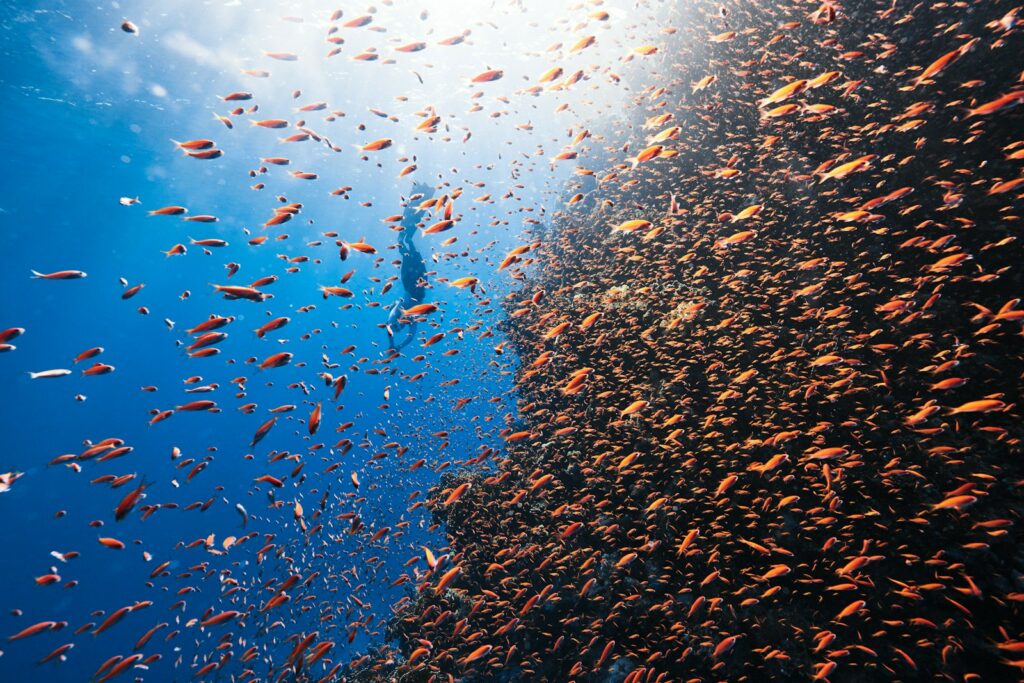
(90, 111)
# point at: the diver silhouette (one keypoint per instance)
(412, 275)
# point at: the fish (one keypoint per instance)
(195, 145)
(945, 61)
(59, 275)
(488, 76)
(632, 225)
(49, 374)
(276, 360)
(34, 629)
(7, 479)
(979, 406)
(169, 211)
(239, 292)
(420, 309)
(377, 145)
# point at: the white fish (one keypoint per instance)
(6, 479)
(60, 372)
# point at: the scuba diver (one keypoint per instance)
(412, 275)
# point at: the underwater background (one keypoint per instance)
(613, 341)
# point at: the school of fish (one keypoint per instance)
(768, 351)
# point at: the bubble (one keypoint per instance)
(82, 44)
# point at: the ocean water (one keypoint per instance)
(92, 111)
(735, 400)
